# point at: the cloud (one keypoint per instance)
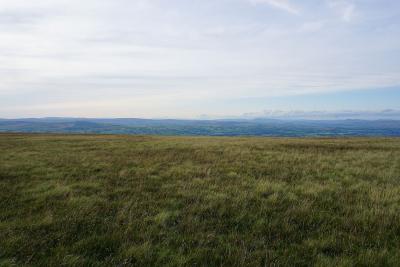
(389, 114)
(312, 26)
(68, 51)
(280, 4)
(345, 9)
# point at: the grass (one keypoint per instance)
(102, 200)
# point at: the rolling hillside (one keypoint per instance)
(102, 200)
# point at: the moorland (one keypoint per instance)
(119, 200)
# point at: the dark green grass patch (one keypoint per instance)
(80, 200)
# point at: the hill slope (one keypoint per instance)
(78, 200)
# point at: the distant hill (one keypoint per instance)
(251, 127)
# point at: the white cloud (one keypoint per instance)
(345, 9)
(102, 51)
(280, 4)
(326, 115)
(312, 26)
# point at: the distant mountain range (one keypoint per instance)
(232, 127)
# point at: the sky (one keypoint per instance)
(197, 58)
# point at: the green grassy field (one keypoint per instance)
(76, 200)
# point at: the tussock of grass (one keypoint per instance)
(75, 200)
